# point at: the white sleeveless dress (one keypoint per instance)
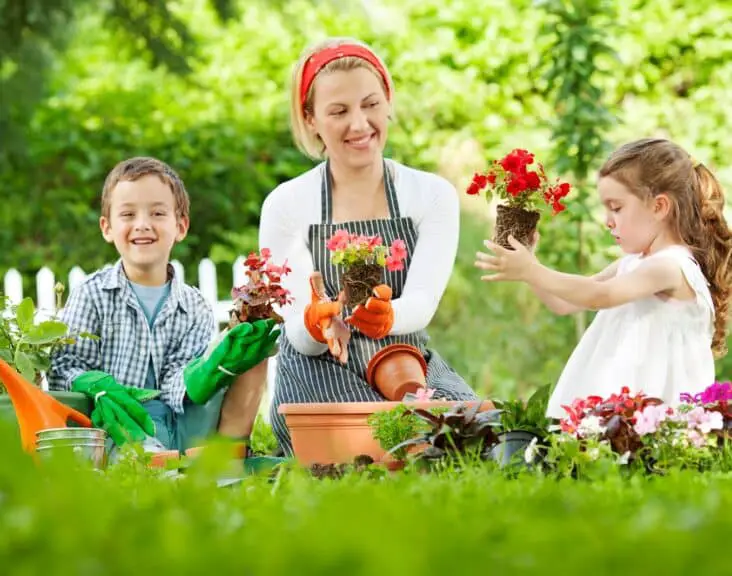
(656, 346)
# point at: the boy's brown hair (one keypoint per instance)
(134, 169)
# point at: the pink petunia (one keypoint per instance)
(339, 240)
(398, 250)
(394, 265)
(647, 421)
(424, 394)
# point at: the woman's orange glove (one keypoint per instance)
(323, 320)
(375, 318)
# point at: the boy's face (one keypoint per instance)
(143, 226)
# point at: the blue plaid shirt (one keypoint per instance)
(105, 305)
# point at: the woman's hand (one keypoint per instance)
(507, 265)
(376, 317)
(324, 321)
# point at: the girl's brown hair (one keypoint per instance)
(653, 166)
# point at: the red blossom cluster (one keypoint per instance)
(515, 179)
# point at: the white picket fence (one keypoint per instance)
(45, 297)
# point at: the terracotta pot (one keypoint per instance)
(161, 459)
(396, 370)
(238, 451)
(335, 433)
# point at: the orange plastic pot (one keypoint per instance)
(335, 433)
(397, 370)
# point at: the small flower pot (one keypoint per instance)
(516, 222)
(511, 447)
(396, 370)
(359, 281)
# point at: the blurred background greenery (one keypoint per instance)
(203, 85)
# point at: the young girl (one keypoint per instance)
(663, 307)
(341, 106)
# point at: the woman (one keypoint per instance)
(342, 99)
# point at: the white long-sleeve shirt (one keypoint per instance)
(429, 200)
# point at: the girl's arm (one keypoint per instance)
(653, 277)
(563, 307)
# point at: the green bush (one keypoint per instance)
(469, 87)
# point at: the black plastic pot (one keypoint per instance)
(511, 447)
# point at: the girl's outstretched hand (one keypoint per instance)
(506, 265)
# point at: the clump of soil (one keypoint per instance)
(244, 311)
(359, 281)
(516, 222)
(360, 463)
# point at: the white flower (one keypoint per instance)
(590, 426)
(624, 458)
(594, 453)
(530, 452)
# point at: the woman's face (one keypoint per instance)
(351, 116)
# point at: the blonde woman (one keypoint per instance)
(342, 102)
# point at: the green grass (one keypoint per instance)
(59, 520)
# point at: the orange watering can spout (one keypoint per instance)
(34, 409)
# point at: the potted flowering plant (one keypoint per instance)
(256, 299)
(525, 187)
(520, 424)
(363, 259)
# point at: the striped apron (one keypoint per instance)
(311, 379)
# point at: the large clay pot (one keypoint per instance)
(335, 433)
(397, 370)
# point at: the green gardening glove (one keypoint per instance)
(117, 408)
(241, 348)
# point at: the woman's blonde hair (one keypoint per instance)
(309, 143)
(654, 166)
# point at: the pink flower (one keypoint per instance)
(696, 438)
(338, 241)
(703, 420)
(398, 250)
(394, 265)
(647, 421)
(424, 394)
(375, 241)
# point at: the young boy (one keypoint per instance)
(148, 371)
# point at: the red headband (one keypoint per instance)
(315, 64)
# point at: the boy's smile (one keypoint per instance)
(144, 227)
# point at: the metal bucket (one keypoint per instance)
(92, 452)
(68, 442)
(91, 434)
(85, 443)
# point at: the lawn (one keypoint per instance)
(58, 519)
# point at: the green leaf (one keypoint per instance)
(24, 365)
(6, 355)
(45, 332)
(24, 314)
